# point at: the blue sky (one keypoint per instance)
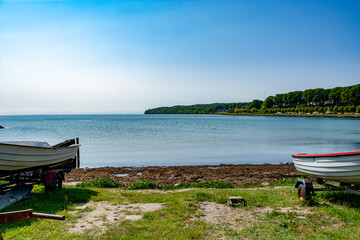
(127, 56)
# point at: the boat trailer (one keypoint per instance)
(24, 215)
(306, 189)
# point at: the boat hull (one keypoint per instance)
(15, 158)
(339, 167)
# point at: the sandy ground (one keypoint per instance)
(103, 215)
(238, 175)
(100, 216)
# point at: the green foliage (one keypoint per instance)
(255, 104)
(100, 183)
(198, 109)
(312, 99)
(144, 184)
(285, 182)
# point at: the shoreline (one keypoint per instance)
(235, 174)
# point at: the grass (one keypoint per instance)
(333, 215)
(145, 184)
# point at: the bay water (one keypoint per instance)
(166, 140)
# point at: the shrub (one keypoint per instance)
(100, 183)
(144, 184)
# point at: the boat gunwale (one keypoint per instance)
(38, 147)
(340, 154)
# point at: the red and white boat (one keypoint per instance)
(343, 167)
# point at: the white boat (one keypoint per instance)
(343, 167)
(22, 155)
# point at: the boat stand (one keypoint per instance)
(306, 189)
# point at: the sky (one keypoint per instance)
(69, 57)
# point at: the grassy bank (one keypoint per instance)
(270, 213)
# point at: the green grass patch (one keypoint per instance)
(331, 215)
(100, 183)
(144, 184)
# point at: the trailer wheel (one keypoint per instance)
(56, 185)
(303, 193)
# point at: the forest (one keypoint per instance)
(319, 100)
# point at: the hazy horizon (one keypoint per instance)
(123, 57)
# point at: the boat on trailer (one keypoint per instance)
(342, 167)
(25, 163)
(24, 155)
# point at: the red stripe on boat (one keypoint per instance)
(326, 154)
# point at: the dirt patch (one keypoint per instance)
(237, 175)
(103, 215)
(298, 211)
(234, 218)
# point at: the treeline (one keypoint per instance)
(198, 108)
(319, 100)
(319, 97)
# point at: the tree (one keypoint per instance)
(255, 104)
(308, 96)
(268, 103)
(334, 95)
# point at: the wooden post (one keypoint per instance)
(78, 154)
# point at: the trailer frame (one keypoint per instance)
(306, 189)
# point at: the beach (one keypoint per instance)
(235, 174)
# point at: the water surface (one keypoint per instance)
(144, 140)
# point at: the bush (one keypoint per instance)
(144, 184)
(100, 183)
(358, 109)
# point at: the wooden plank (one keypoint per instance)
(12, 217)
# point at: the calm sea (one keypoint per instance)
(144, 140)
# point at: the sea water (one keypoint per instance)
(165, 140)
